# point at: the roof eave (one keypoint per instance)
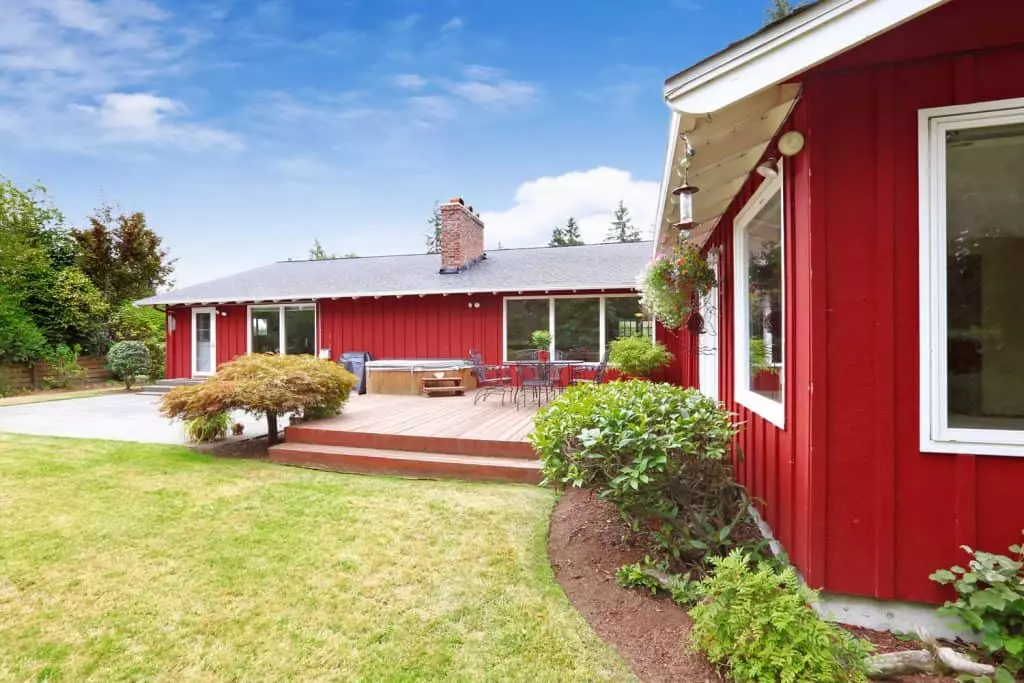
(785, 50)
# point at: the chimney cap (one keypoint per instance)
(456, 200)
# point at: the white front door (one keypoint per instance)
(707, 343)
(204, 341)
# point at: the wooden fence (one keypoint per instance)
(24, 376)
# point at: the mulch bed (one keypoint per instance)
(255, 448)
(587, 546)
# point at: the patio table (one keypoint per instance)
(544, 370)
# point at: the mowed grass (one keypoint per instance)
(123, 561)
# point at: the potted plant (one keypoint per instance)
(764, 376)
(638, 356)
(541, 340)
(671, 285)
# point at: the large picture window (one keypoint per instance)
(581, 326)
(760, 296)
(290, 327)
(972, 250)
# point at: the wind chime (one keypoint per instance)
(684, 195)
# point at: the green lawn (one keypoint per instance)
(137, 562)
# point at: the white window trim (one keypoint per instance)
(773, 411)
(213, 341)
(551, 317)
(936, 434)
(280, 317)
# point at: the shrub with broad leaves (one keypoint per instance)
(127, 360)
(62, 367)
(207, 428)
(265, 385)
(990, 602)
(658, 452)
(638, 356)
(757, 621)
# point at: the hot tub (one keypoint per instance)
(403, 376)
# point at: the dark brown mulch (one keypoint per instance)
(887, 642)
(651, 633)
(255, 448)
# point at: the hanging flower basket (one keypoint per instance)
(671, 286)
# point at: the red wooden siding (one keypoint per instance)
(231, 333)
(894, 515)
(849, 494)
(179, 343)
(774, 464)
(432, 326)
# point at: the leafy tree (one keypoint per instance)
(433, 236)
(32, 235)
(122, 255)
(20, 339)
(80, 313)
(569, 236)
(780, 9)
(622, 229)
(265, 384)
(136, 323)
(350, 254)
(318, 253)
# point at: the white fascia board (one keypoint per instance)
(666, 179)
(774, 55)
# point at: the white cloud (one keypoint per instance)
(453, 24)
(145, 117)
(486, 86)
(478, 72)
(588, 196)
(67, 66)
(409, 81)
(432, 107)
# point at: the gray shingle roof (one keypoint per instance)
(588, 267)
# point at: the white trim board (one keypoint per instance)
(936, 436)
(786, 49)
(213, 313)
(773, 411)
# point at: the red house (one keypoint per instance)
(860, 167)
(413, 307)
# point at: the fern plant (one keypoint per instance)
(757, 621)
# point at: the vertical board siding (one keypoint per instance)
(232, 339)
(768, 460)
(179, 343)
(432, 326)
(894, 514)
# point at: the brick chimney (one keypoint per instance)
(462, 236)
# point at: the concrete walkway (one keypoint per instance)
(119, 417)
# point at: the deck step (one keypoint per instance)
(415, 443)
(407, 463)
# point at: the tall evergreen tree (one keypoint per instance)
(433, 236)
(572, 233)
(557, 237)
(318, 253)
(780, 9)
(622, 229)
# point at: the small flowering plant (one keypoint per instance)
(671, 285)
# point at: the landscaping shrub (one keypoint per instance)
(63, 369)
(990, 601)
(638, 356)
(757, 620)
(267, 385)
(127, 359)
(657, 452)
(206, 428)
(20, 340)
(135, 323)
(157, 359)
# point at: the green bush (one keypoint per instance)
(6, 384)
(135, 323)
(127, 360)
(206, 428)
(681, 587)
(62, 367)
(758, 621)
(157, 359)
(268, 385)
(638, 356)
(658, 452)
(20, 340)
(990, 601)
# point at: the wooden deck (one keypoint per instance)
(418, 436)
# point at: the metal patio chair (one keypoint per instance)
(490, 379)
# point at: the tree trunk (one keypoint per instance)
(272, 429)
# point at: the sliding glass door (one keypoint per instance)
(288, 329)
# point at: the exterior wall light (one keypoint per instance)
(684, 193)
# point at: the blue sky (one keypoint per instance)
(245, 129)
